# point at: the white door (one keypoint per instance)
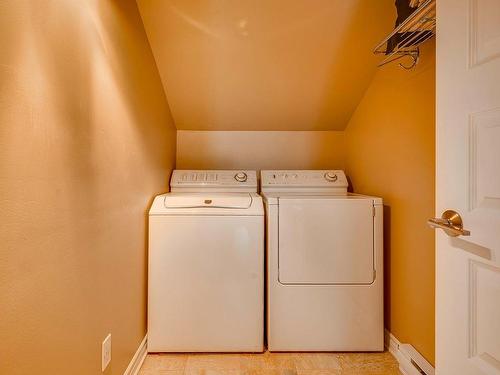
(468, 182)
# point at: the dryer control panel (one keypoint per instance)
(214, 180)
(312, 180)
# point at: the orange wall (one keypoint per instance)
(265, 65)
(260, 149)
(390, 153)
(86, 140)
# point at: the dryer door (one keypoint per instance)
(326, 240)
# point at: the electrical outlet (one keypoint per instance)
(106, 352)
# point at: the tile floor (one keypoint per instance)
(271, 364)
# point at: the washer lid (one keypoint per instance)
(208, 200)
(207, 204)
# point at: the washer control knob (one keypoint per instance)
(240, 176)
(331, 176)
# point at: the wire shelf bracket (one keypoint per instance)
(407, 38)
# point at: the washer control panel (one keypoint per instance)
(213, 179)
(307, 178)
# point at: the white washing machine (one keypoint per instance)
(206, 264)
(324, 263)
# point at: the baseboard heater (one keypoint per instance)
(411, 362)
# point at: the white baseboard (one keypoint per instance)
(138, 358)
(410, 361)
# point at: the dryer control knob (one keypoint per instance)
(330, 176)
(240, 176)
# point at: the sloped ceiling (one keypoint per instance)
(265, 64)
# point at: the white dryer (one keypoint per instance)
(206, 264)
(324, 263)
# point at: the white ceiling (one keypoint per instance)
(265, 64)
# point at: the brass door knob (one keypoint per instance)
(451, 222)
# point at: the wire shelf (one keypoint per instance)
(406, 39)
